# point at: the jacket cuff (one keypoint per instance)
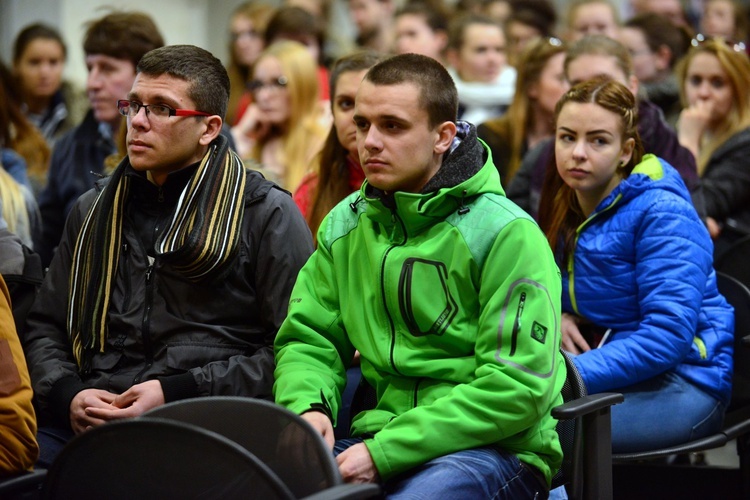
(62, 393)
(176, 387)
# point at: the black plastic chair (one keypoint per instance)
(737, 419)
(158, 459)
(281, 439)
(26, 486)
(585, 432)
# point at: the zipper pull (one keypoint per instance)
(517, 324)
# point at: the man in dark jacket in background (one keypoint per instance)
(113, 46)
(173, 275)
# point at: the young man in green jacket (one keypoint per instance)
(451, 296)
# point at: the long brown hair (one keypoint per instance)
(333, 172)
(559, 211)
(18, 134)
(531, 64)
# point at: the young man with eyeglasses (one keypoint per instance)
(173, 274)
(448, 293)
(113, 45)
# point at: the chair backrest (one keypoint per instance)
(158, 459)
(738, 296)
(25, 486)
(570, 434)
(284, 441)
(734, 261)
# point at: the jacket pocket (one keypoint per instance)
(425, 301)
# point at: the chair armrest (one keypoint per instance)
(347, 492)
(587, 404)
(746, 341)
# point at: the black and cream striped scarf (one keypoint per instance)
(201, 240)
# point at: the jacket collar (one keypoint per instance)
(465, 173)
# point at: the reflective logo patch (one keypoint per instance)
(539, 332)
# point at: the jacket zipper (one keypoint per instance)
(517, 324)
(571, 281)
(415, 401)
(145, 325)
(382, 290)
(128, 287)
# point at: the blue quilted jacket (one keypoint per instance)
(643, 266)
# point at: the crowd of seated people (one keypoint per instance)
(175, 206)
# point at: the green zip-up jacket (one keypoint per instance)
(452, 297)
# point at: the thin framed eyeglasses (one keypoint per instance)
(254, 86)
(160, 111)
(700, 39)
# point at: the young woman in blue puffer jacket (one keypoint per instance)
(641, 307)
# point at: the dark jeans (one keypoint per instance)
(476, 473)
(51, 441)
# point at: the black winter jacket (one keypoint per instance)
(197, 339)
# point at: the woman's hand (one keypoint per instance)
(692, 124)
(252, 127)
(714, 228)
(572, 340)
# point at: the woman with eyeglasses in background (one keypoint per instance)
(540, 82)
(285, 127)
(247, 27)
(715, 127)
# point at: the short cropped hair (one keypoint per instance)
(122, 35)
(209, 82)
(437, 91)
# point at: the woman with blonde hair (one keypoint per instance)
(285, 127)
(540, 82)
(715, 127)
